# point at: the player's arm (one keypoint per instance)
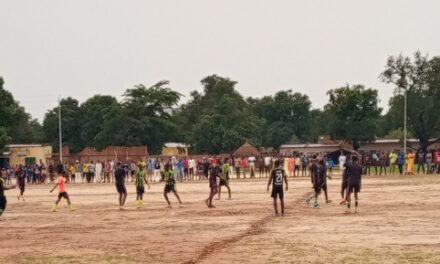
(56, 184)
(270, 181)
(9, 187)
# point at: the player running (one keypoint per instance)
(170, 184)
(141, 180)
(213, 175)
(62, 191)
(21, 181)
(224, 179)
(3, 187)
(354, 175)
(344, 185)
(277, 177)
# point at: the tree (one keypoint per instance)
(149, 117)
(354, 111)
(219, 119)
(70, 124)
(4, 138)
(286, 114)
(420, 78)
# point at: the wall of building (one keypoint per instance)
(18, 154)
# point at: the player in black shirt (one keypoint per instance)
(3, 187)
(21, 181)
(120, 185)
(354, 176)
(344, 184)
(277, 177)
(316, 182)
(322, 170)
(214, 173)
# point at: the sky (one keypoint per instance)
(85, 47)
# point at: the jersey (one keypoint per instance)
(277, 176)
(315, 174)
(225, 171)
(119, 175)
(2, 186)
(61, 184)
(354, 174)
(140, 178)
(168, 177)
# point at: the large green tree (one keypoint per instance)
(286, 114)
(219, 119)
(355, 112)
(420, 78)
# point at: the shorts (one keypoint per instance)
(63, 195)
(3, 203)
(170, 188)
(354, 188)
(317, 188)
(140, 189)
(277, 191)
(120, 187)
(224, 182)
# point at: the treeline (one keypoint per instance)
(219, 119)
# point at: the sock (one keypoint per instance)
(54, 207)
(356, 203)
(348, 205)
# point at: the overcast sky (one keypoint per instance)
(85, 47)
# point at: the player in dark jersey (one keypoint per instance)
(322, 170)
(170, 184)
(141, 180)
(224, 179)
(21, 181)
(316, 181)
(214, 173)
(277, 177)
(354, 176)
(120, 184)
(3, 187)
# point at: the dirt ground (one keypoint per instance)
(398, 222)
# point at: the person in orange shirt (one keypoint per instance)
(62, 192)
(410, 162)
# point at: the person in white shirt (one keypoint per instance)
(98, 171)
(192, 167)
(251, 161)
(342, 160)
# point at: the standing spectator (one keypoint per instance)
(244, 166)
(393, 158)
(304, 163)
(112, 170)
(157, 167)
(251, 161)
(297, 165)
(51, 172)
(375, 159)
(401, 161)
(185, 164)
(191, 167)
(330, 165)
(107, 171)
(429, 162)
(150, 170)
(420, 161)
(437, 160)
(98, 171)
(91, 172)
(237, 165)
(368, 162)
(342, 160)
(410, 163)
(382, 163)
(267, 165)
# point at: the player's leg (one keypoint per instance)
(356, 200)
(219, 192)
(165, 194)
(348, 199)
(275, 206)
(177, 196)
(229, 188)
(124, 197)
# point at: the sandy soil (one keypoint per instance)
(398, 222)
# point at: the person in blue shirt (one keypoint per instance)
(330, 165)
(401, 161)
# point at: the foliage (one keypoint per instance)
(354, 111)
(420, 78)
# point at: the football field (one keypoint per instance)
(398, 222)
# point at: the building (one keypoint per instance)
(386, 145)
(116, 153)
(174, 149)
(16, 154)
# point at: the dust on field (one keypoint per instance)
(398, 222)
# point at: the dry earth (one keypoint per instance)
(398, 222)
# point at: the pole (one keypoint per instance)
(59, 130)
(404, 123)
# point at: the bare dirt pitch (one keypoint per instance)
(398, 222)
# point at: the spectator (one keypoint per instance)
(420, 161)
